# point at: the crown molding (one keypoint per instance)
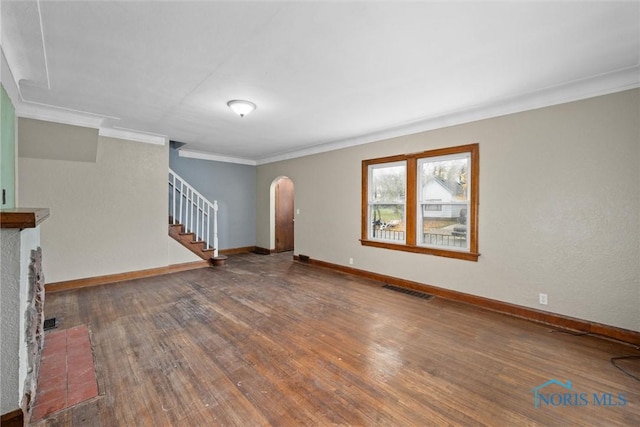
(132, 135)
(215, 157)
(604, 84)
(49, 113)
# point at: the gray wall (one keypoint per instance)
(559, 209)
(233, 186)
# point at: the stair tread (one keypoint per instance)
(187, 240)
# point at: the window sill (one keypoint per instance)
(467, 256)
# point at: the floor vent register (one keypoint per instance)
(412, 292)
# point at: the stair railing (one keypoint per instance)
(191, 209)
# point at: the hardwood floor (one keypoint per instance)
(266, 341)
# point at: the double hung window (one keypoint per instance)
(387, 201)
(443, 201)
(424, 202)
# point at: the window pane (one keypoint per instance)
(443, 194)
(387, 188)
(387, 222)
(387, 183)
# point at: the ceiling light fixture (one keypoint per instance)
(241, 107)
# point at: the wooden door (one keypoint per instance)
(284, 215)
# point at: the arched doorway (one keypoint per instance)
(283, 214)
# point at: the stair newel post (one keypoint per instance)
(172, 181)
(215, 228)
(180, 220)
(187, 210)
(202, 216)
(208, 223)
(197, 217)
(190, 208)
(201, 213)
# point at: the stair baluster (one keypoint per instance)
(191, 209)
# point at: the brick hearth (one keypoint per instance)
(67, 372)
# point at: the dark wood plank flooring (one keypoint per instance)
(266, 341)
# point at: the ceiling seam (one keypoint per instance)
(44, 47)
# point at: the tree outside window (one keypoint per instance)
(387, 201)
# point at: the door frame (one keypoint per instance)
(272, 212)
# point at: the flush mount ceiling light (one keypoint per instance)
(241, 107)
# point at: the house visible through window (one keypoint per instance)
(432, 207)
(425, 202)
(443, 224)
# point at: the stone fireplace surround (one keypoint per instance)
(21, 309)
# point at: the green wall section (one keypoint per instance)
(7, 151)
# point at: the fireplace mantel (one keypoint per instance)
(22, 217)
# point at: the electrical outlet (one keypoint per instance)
(543, 299)
(350, 261)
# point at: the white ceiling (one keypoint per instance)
(323, 74)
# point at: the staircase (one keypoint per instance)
(193, 220)
(189, 240)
